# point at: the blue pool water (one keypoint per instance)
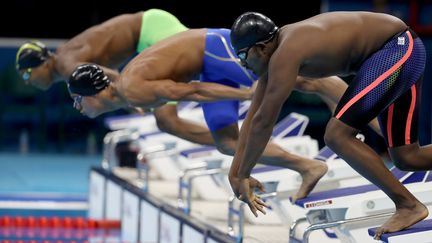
(45, 173)
(27, 179)
(33, 177)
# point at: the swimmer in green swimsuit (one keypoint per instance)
(109, 44)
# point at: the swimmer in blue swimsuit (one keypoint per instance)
(193, 65)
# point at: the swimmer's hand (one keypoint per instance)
(244, 190)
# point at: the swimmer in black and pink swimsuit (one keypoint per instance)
(387, 86)
(388, 61)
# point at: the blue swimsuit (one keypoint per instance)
(221, 66)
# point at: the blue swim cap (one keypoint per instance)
(31, 54)
(87, 80)
(251, 28)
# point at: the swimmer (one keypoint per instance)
(388, 59)
(191, 65)
(109, 44)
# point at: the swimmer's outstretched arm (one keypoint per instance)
(269, 98)
(243, 186)
(245, 129)
(199, 91)
(267, 103)
(280, 83)
(145, 93)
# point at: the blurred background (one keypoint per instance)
(33, 121)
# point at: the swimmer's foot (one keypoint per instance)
(310, 179)
(403, 218)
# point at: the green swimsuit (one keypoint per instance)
(156, 25)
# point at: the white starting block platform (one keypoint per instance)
(418, 233)
(351, 211)
(154, 216)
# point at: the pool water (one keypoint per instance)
(43, 199)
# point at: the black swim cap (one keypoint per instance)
(87, 80)
(31, 54)
(250, 28)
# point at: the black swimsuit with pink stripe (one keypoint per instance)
(387, 86)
